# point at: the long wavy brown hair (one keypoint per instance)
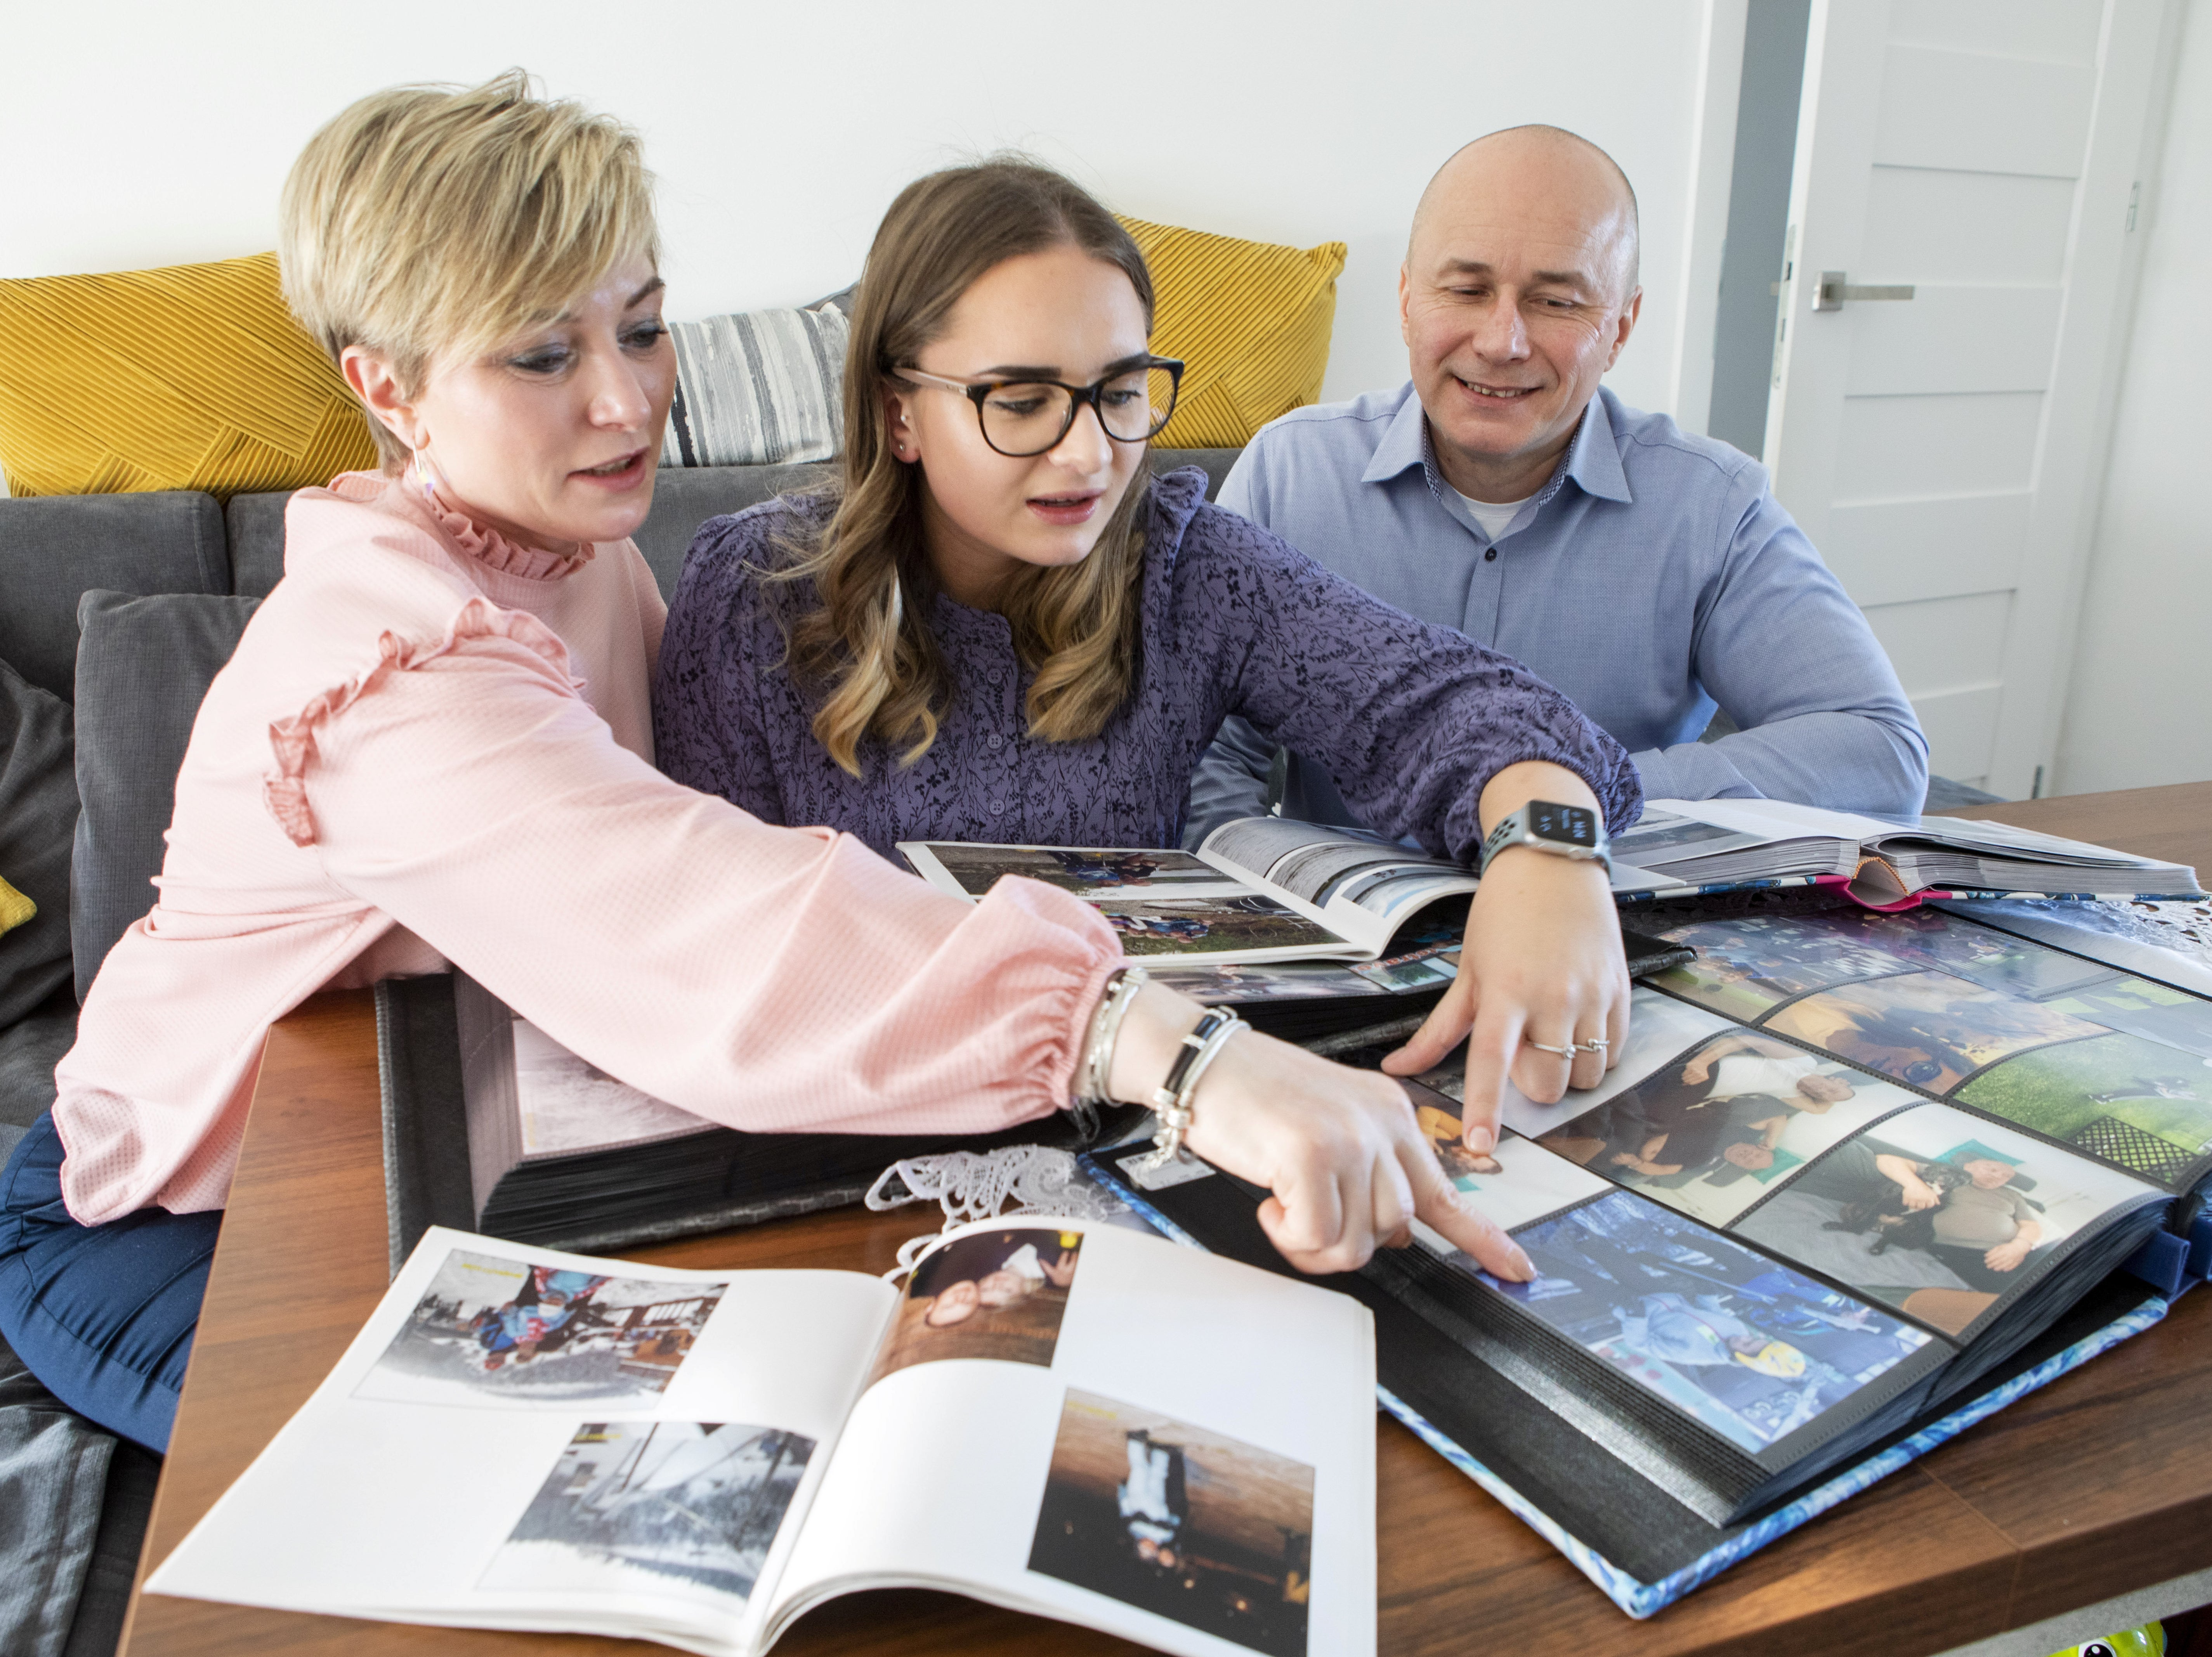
(865, 640)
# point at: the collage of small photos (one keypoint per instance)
(2065, 1095)
(635, 1504)
(1166, 1515)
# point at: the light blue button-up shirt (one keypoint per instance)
(1654, 578)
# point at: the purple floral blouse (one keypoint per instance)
(1412, 720)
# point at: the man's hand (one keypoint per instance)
(2006, 1257)
(1542, 964)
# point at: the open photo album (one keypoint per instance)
(1855, 1177)
(1084, 1423)
(491, 1125)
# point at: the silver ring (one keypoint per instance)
(1595, 1044)
(1567, 1052)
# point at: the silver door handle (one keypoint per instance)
(1834, 290)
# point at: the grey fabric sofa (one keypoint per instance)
(119, 610)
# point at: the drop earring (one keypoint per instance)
(422, 464)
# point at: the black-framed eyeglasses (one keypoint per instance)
(1026, 417)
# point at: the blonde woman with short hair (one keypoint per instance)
(434, 746)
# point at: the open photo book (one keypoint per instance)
(1087, 1424)
(1680, 847)
(1304, 930)
(1855, 1181)
(1259, 889)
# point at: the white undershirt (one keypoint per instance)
(1493, 515)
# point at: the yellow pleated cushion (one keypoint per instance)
(194, 377)
(1251, 320)
(15, 907)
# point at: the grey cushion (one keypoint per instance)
(37, 817)
(53, 1474)
(1214, 462)
(53, 549)
(141, 669)
(684, 497)
(29, 1050)
(256, 527)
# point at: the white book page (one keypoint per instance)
(1187, 1403)
(1772, 820)
(644, 1475)
(2005, 839)
(568, 1105)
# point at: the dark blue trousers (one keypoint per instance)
(103, 1315)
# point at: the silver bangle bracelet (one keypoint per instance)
(1172, 1098)
(1122, 985)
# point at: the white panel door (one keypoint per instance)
(1942, 452)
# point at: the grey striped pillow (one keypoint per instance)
(757, 388)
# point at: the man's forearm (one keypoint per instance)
(1847, 761)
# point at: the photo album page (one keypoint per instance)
(1082, 1422)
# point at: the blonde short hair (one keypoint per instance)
(427, 222)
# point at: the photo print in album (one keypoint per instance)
(644, 1506)
(498, 1331)
(1938, 1213)
(1172, 1518)
(1103, 872)
(988, 1295)
(1749, 1348)
(1193, 925)
(1713, 1130)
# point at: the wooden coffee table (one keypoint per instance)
(2098, 1485)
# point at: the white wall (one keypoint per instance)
(144, 134)
(2139, 706)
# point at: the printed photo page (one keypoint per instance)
(524, 1439)
(1109, 1430)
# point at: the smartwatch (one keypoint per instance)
(1571, 831)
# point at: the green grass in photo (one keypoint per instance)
(2060, 1090)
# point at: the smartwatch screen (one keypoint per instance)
(1571, 825)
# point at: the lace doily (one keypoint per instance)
(971, 1185)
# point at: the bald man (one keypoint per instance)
(1646, 571)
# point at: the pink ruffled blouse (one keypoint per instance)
(434, 745)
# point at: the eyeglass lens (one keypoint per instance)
(1029, 419)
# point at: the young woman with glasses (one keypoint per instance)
(999, 627)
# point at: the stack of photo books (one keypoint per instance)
(1857, 1180)
(1084, 1423)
